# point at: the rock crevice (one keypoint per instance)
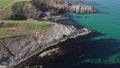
(22, 48)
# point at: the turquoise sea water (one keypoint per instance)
(107, 22)
(103, 50)
(100, 49)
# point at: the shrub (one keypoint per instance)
(17, 7)
(17, 11)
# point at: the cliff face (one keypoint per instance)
(39, 10)
(16, 50)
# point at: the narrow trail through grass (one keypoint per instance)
(12, 2)
(8, 5)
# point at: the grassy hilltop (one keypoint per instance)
(11, 28)
(5, 7)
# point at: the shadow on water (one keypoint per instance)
(85, 47)
(89, 49)
(69, 21)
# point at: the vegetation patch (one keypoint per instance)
(12, 28)
(6, 8)
(60, 1)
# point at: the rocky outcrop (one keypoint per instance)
(42, 11)
(16, 50)
(30, 11)
(81, 8)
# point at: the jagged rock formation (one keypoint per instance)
(16, 50)
(30, 11)
(81, 8)
(39, 10)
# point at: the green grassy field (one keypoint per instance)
(4, 3)
(7, 3)
(5, 7)
(13, 28)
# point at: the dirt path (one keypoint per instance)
(8, 5)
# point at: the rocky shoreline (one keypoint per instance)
(81, 8)
(17, 50)
(35, 10)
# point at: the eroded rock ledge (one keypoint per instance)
(44, 11)
(81, 8)
(16, 50)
